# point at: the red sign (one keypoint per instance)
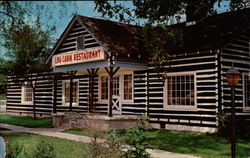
(87, 55)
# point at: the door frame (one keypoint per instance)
(121, 87)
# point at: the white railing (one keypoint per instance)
(2, 105)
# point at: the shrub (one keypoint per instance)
(224, 120)
(137, 140)
(224, 130)
(43, 150)
(12, 151)
(113, 144)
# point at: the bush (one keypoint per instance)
(43, 150)
(110, 148)
(113, 144)
(12, 151)
(224, 130)
(137, 140)
(224, 119)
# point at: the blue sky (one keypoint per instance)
(85, 8)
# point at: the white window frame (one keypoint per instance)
(245, 109)
(121, 86)
(179, 107)
(100, 100)
(63, 92)
(126, 101)
(23, 95)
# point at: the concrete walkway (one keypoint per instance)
(57, 132)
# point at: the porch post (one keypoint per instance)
(92, 74)
(72, 73)
(70, 92)
(55, 93)
(111, 73)
(110, 91)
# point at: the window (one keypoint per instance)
(246, 91)
(116, 85)
(27, 94)
(104, 87)
(66, 92)
(80, 42)
(128, 87)
(122, 87)
(180, 90)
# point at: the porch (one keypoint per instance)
(110, 83)
(73, 120)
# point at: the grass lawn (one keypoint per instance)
(77, 132)
(194, 143)
(26, 121)
(201, 144)
(63, 148)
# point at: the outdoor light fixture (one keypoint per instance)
(233, 76)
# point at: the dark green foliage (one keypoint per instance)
(138, 141)
(3, 78)
(13, 150)
(161, 11)
(27, 47)
(160, 42)
(224, 124)
(242, 126)
(43, 150)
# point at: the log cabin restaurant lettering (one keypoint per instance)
(78, 57)
(98, 66)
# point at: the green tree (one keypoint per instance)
(27, 49)
(19, 31)
(160, 11)
(158, 38)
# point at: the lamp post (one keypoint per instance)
(233, 77)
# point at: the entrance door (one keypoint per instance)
(116, 101)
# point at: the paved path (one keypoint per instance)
(57, 132)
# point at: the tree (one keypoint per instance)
(3, 79)
(160, 11)
(158, 38)
(19, 16)
(27, 49)
(19, 12)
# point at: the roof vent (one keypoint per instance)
(190, 23)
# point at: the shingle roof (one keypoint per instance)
(215, 31)
(122, 39)
(210, 33)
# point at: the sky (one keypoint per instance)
(85, 8)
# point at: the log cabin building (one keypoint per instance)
(98, 66)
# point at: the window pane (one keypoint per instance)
(104, 87)
(28, 93)
(128, 87)
(180, 90)
(67, 92)
(116, 85)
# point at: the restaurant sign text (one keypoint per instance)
(87, 55)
